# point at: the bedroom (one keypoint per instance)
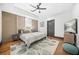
(17, 20)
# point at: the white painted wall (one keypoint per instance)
(42, 29)
(57, 12)
(76, 15)
(60, 19)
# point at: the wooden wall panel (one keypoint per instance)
(35, 25)
(20, 22)
(9, 22)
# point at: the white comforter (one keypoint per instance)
(32, 37)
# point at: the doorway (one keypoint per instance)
(51, 28)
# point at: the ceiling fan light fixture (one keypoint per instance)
(39, 11)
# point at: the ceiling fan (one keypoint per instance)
(37, 7)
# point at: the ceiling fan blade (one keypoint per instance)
(42, 8)
(33, 10)
(32, 6)
(39, 4)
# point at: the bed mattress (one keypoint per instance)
(32, 37)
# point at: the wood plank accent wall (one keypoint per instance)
(35, 25)
(8, 25)
(20, 22)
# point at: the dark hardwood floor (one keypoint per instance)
(5, 48)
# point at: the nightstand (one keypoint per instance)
(15, 37)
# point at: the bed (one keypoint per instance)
(32, 37)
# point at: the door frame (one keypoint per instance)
(54, 27)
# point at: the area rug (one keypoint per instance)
(42, 47)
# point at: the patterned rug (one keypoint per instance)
(42, 47)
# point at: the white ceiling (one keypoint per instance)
(52, 8)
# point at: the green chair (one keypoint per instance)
(70, 48)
